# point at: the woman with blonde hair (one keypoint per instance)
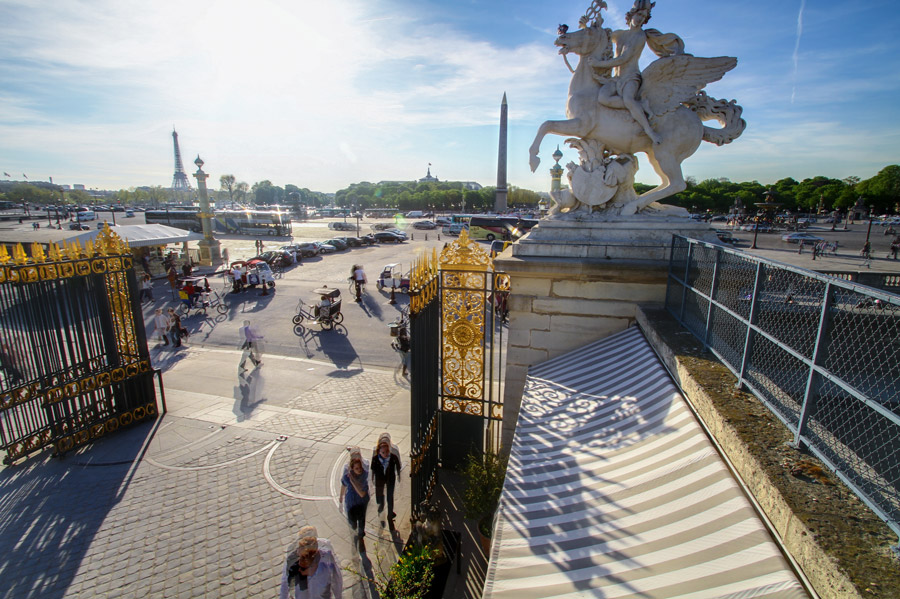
(311, 569)
(355, 493)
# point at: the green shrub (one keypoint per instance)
(484, 475)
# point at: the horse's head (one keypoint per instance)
(582, 42)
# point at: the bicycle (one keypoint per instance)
(351, 287)
(334, 316)
(206, 300)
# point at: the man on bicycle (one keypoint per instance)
(359, 279)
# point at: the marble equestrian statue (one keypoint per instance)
(616, 110)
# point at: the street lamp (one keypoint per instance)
(765, 206)
(869, 231)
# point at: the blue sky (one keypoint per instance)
(325, 94)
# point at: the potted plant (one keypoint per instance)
(483, 474)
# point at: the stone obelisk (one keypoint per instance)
(500, 197)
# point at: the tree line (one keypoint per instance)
(881, 193)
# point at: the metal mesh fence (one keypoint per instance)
(822, 353)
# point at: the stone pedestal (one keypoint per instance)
(574, 282)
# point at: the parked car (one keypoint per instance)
(382, 226)
(341, 226)
(339, 244)
(76, 226)
(727, 237)
(353, 242)
(398, 233)
(275, 257)
(305, 250)
(424, 224)
(368, 239)
(453, 229)
(441, 221)
(325, 248)
(388, 237)
(798, 237)
(498, 245)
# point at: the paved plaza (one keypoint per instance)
(223, 483)
(205, 501)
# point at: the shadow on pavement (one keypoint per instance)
(333, 343)
(248, 393)
(52, 509)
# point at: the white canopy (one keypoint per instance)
(614, 490)
(143, 235)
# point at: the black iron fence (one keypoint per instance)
(74, 364)
(820, 352)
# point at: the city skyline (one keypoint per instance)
(326, 96)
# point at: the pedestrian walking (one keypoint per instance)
(161, 324)
(386, 468)
(800, 251)
(146, 288)
(895, 247)
(237, 279)
(403, 346)
(176, 330)
(359, 279)
(9, 360)
(311, 569)
(252, 346)
(866, 251)
(355, 494)
(145, 263)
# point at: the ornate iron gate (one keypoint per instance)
(74, 364)
(456, 335)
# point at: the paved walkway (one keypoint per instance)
(205, 501)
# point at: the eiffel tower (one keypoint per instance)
(180, 181)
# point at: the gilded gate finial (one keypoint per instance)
(464, 254)
(37, 252)
(19, 255)
(4, 254)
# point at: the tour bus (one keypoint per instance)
(381, 212)
(254, 222)
(180, 219)
(491, 227)
(332, 212)
(86, 215)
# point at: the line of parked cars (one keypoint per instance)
(296, 252)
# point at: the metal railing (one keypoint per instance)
(822, 353)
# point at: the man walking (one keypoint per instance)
(252, 347)
(385, 470)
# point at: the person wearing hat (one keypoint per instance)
(355, 494)
(385, 470)
(311, 569)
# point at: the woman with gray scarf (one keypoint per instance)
(355, 494)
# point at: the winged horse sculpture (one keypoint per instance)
(671, 96)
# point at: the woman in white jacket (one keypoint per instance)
(311, 570)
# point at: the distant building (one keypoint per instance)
(78, 187)
(428, 178)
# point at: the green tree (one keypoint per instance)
(226, 183)
(882, 191)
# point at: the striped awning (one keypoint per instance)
(614, 490)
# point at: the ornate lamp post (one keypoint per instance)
(556, 172)
(210, 248)
(869, 230)
(764, 208)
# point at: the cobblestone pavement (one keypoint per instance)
(205, 501)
